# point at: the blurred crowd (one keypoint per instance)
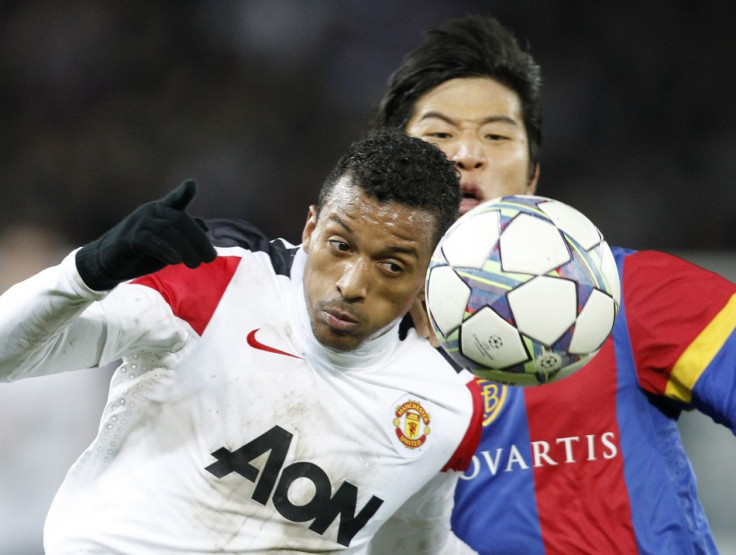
(105, 105)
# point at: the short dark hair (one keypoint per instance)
(391, 166)
(473, 46)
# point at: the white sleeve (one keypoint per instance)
(36, 317)
(422, 525)
(53, 322)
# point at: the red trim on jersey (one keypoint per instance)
(591, 463)
(193, 294)
(463, 455)
(652, 280)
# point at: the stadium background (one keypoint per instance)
(105, 105)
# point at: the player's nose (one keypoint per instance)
(468, 154)
(353, 282)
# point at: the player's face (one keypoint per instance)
(478, 124)
(365, 266)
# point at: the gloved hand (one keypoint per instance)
(151, 237)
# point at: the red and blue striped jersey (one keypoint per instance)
(594, 463)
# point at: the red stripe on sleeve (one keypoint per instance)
(463, 455)
(660, 329)
(193, 294)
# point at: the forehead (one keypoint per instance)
(391, 223)
(472, 97)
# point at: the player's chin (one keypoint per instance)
(337, 340)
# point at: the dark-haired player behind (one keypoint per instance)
(594, 463)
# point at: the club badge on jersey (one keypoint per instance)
(411, 426)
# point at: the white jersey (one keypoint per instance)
(228, 428)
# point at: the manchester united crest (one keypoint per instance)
(411, 424)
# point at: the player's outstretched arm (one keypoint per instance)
(51, 321)
(151, 237)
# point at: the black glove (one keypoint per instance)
(153, 236)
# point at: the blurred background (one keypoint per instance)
(105, 105)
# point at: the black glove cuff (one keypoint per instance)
(88, 266)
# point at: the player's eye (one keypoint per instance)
(438, 135)
(339, 245)
(392, 267)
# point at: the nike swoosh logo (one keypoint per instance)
(253, 342)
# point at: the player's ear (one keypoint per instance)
(421, 293)
(309, 226)
(531, 188)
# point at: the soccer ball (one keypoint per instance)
(522, 290)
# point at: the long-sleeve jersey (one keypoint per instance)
(594, 463)
(228, 428)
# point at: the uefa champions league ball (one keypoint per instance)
(522, 290)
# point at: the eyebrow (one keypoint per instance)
(335, 218)
(411, 251)
(392, 249)
(489, 119)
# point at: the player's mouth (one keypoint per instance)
(471, 197)
(339, 319)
